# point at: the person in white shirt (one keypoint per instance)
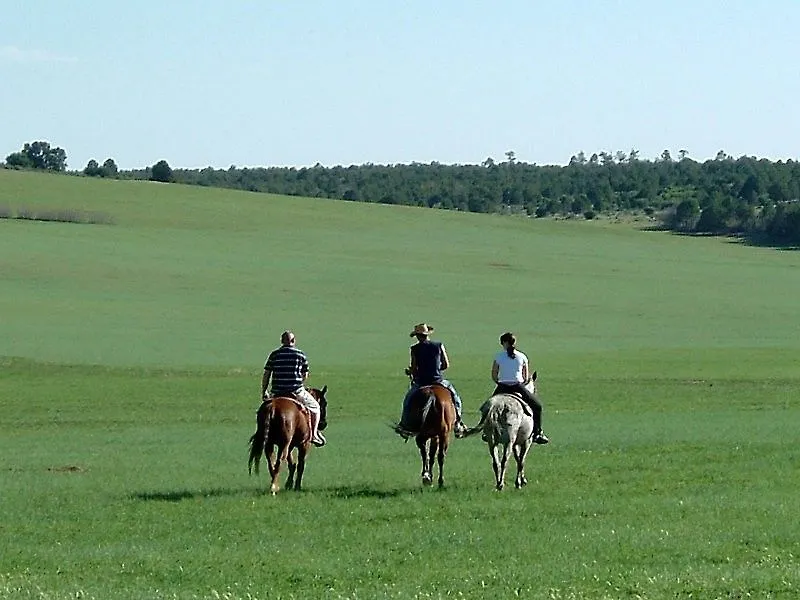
(511, 373)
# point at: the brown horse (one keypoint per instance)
(281, 423)
(434, 415)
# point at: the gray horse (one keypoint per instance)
(506, 425)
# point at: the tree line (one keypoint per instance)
(748, 196)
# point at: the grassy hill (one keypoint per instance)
(195, 276)
(130, 357)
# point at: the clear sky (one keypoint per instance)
(341, 82)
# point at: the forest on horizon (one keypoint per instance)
(747, 196)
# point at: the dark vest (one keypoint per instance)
(428, 356)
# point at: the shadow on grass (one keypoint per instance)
(345, 492)
(181, 495)
(756, 240)
(354, 491)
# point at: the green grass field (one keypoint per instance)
(132, 354)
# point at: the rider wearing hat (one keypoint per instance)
(428, 360)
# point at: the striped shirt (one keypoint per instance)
(289, 366)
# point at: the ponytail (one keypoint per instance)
(508, 338)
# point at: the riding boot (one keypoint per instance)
(316, 436)
(538, 436)
(459, 428)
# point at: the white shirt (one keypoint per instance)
(510, 371)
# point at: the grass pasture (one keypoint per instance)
(130, 372)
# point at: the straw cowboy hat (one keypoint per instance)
(421, 329)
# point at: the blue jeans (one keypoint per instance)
(414, 387)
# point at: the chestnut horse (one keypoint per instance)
(281, 423)
(432, 408)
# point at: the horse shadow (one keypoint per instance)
(359, 491)
(344, 492)
(186, 494)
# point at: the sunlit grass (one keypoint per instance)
(667, 367)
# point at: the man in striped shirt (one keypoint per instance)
(287, 368)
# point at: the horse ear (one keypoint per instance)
(534, 376)
(324, 389)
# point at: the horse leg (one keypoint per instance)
(292, 465)
(301, 465)
(524, 447)
(500, 463)
(427, 478)
(432, 450)
(442, 454)
(493, 451)
(282, 456)
(269, 450)
(520, 460)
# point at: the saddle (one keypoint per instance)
(526, 408)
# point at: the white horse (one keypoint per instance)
(506, 425)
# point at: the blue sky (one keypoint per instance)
(268, 83)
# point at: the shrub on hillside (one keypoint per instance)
(65, 216)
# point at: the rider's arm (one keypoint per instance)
(445, 359)
(525, 373)
(265, 380)
(412, 367)
(495, 371)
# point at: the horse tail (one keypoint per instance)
(259, 438)
(490, 423)
(478, 428)
(495, 421)
(430, 400)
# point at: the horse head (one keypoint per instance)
(320, 396)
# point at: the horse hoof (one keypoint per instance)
(426, 480)
(499, 487)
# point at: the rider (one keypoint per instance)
(511, 374)
(287, 366)
(428, 360)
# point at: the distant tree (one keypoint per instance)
(511, 157)
(666, 156)
(39, 155)
(92, 169)
(606, 159)
(161, 171)
(19, 160)
(750, 189)
(686, 214)
(776, 193)
(110, 168)
(682, 154)
(633, 155)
